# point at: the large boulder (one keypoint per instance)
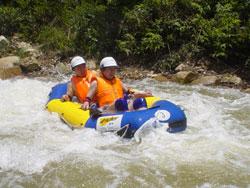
(229, 79)
(161, 78)
(33, 67)
(9, 67)
(9, 61)
(185, 77)
(3, 43)
(10, 72)
(247, 90)
(30, 64)
(63, 69)
(26, 49)
(206, 80)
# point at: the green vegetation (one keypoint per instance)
(156, 33)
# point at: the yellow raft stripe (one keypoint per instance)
(151, 100)
(70, 112)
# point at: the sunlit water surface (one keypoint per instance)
(38, 150)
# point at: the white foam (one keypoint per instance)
(31, 138)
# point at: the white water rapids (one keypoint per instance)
(39, 150)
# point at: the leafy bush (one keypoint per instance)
(127, 45)
(88, 23)
(9, 20)
(219, 33)
(54, 39)
(169, 62)
(153, 33)
(152, 42)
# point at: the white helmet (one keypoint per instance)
(77, 60)
(108, 62)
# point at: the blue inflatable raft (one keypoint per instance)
(159, 113)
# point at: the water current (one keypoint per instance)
(39, 150)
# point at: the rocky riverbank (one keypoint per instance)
(18, 58)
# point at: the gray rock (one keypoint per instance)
(9, 67)
(185, 77)
(206, 80)
(9, 72)
(161, 78)
(23, 45)
(33, 67)
(63, 69)
(230, 79)
(3, 42)
(9, 61)
(25, 49)
(247, 90)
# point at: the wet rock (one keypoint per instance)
(185, 77)
(10, 72)
(3, 42)
(23, 45)
(206, 80)
(31, 52)
(33, 67)
(24, 49)
(29, 60)
(63, 69)
(161, 78)
(9, 61)
(247, 90)
(9, 67)
(230, 79)
(30, 64)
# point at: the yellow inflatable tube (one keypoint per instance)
(70, 112)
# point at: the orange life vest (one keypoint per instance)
(108, 91)
(81, 85)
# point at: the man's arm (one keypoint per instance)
(90, 95)
(69, 94)
(136, 93)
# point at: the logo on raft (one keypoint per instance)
(109, 123)
(105, 120)
(162, 115)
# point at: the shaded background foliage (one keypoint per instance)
(156, 33)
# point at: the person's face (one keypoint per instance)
(80, 70)
(109, 72)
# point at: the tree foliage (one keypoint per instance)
(157, 33)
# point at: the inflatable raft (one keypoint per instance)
(159, 113)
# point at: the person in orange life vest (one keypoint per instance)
(107, 88)
(80, 81)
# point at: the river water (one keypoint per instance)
(38, 150)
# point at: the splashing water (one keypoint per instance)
(38, 150)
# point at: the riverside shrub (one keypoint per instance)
(153, 33)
